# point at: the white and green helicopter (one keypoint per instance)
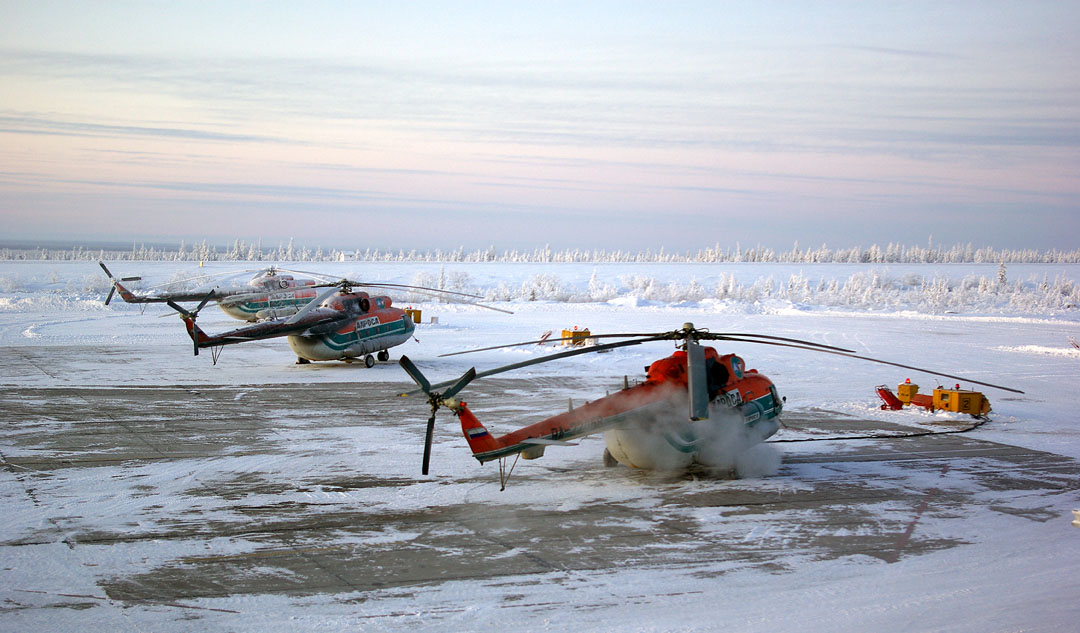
(271, 293)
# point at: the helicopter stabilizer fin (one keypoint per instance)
(480, 441)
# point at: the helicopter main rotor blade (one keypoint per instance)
(883, 362)
(573, 352)
(748, 338)
(109, 296)
(346, 285)
(697, 381)
(479, 305)
(683, 334)
(320, 276)
(196, 278)
(545, 359)
(922, 369)
(872, 360)
(376, 284)
(419, 288)
(311, 305)
(690, 334)
(552, 340)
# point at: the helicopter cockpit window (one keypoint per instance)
(379, 303)
(717, 377)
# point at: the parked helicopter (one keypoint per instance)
(272, 292)
(730, 406)
(337, 324)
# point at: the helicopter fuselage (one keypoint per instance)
(354, 338)
(269, 297)
(343, 327)
(645, 426)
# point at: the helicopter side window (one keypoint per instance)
(737, 366)
(379, 303)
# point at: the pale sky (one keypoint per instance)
(617, 125)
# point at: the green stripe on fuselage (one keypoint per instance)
(252, 307)
(339, 342)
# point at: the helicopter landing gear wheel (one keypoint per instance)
(302, 361)
(384, 356)
(369, 361)
(609, 459)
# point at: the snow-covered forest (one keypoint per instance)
(972, 289)
(928, 279)
(240, 250)
(865, 289)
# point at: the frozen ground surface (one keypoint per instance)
(146, 489)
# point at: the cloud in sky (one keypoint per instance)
(639, 125)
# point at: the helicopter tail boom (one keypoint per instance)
(480, 441)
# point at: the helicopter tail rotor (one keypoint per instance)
(196, 333)
(414, 373)
(435, 399)
(115, 283)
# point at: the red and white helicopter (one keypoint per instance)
(336, 324)
(728, 404)
(271, 293)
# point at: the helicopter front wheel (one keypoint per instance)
(369, 361)
(384, 356)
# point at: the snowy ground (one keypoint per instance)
(1009, 565)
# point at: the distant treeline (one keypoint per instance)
(255, 252)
